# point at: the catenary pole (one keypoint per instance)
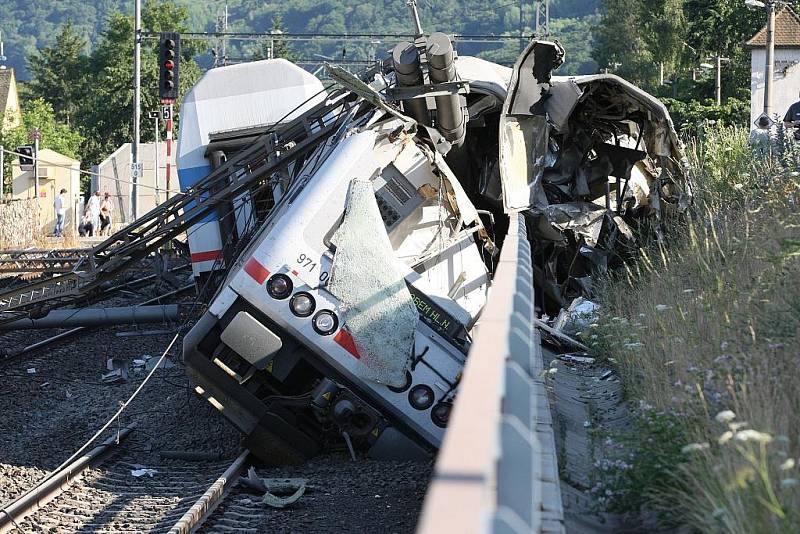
(137, 82)
(155, 161)
(769, 69)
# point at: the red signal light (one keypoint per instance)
(169, 64)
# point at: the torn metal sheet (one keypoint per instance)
(375, 302)
(583, 218)
(523, 148)
(589, 158)
(563, 99)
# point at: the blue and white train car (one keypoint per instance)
(226, 99)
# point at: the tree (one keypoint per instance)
(95, 93)
(276, 47)
(39, 115)
(108, 110)
(58, 73)
(620, 41)
(665, 27)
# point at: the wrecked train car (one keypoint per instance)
(346, 317)
(592, 161)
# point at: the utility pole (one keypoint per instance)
(137, 82)
(521, 28)
(542, 19)
(36, 136)
(154, 115)
(169, 114)
(225, 38)
(769, 70)
(221, 59)
(716, 66)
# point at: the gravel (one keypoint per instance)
(47, 415)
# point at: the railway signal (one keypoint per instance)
(169, 59)
(25, 157)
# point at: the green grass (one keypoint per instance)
(706, 324)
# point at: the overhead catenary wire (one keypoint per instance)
(158, 363)
(90, 173)
(332, 36)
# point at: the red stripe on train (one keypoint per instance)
(344, 339)
(257, 272)
(211, 255)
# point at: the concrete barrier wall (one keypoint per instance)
(497, 472)
(19, 223)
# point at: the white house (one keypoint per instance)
(113, 176)
(786, 83)
(56, 172)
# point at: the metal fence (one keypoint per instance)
(497, 470)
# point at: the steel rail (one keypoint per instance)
(496, 471)
(202, 509)
(37, 497)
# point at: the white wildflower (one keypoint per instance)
(662, 307)
(725, 416)
(725, 437)
(753, 435)
(736, 426)
(787, 464)
(789, 482)
(694, 447)
(738, 187)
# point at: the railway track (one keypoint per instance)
(114, 493)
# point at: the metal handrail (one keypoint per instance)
(496, 471)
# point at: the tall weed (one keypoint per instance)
(709, 325)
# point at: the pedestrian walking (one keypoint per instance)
(94, 208)
(60, 206)
(105, 215)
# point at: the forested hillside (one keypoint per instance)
(28, 25)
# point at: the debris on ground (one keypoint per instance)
(114, 377)
(143, 472)
(577, 317)
(277, 492)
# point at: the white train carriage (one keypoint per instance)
(349, 313)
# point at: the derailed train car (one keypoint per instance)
(347, 317)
